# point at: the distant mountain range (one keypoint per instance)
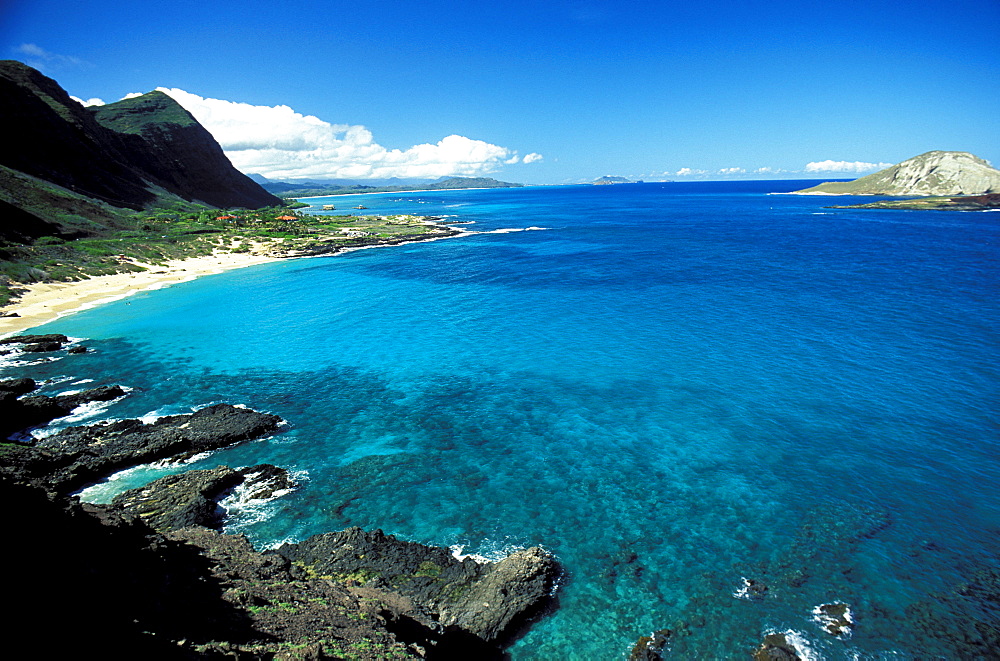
(932, 173)
(72, 170)
(347, 186)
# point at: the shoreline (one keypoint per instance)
(47, 301)
(43, 302)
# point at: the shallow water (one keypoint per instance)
(672, 387)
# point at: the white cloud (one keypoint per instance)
(532, 158)
(43, 60)
(844, 166)
(732, 171)
(89, 102)
(279, 143)
(684, 172)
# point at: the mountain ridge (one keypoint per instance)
(132, 155)
(931, 173)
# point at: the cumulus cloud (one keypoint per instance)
(89, 102)
(279, 143)
(532, 158)
(684, 172)
(844, 166)
(732, 171)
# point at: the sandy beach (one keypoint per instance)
(47, 301)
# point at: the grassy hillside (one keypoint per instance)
(138, 114)
(164, 234)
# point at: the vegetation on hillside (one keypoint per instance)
(963, 203)
(152, 238)
(151, 110)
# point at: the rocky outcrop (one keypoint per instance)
(836, 618)
(651, 647)
(18, 414)
(192, 498)
(30, 340)
(148, 577)
(486, 600)
(932, 173)
(776, 647)
(76, 456)
(936, 203)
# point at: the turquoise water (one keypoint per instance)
(671, 386)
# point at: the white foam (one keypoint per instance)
(123, 480)
(458, 552)
(743, 592)
(246, 512)
(799, 642)
(489, 551)
(824, 620)
(508, 230)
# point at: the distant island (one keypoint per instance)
(290, 190)
(139, 185)
(935, 173)
(607, 180)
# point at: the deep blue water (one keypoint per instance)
(672, 386)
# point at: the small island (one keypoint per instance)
(934, 173)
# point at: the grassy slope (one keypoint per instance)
(162, 235)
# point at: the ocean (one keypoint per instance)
(674, 387)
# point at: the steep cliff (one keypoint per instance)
(932, 173)
(177, 153)
(132, 154)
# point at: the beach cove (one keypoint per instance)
(684, 392)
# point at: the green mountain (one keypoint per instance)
(933, 173)
(74, 170)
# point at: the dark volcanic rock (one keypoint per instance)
(99, 394)
(651, 647)
(192, 498)
(35, 339)
(16, 387)
(41, 347)
(20, 414)
(111, 588)
(776, 648)
(86, 454)
(485, 600)
(315, 617)
(836, 619)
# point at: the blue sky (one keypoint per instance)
(646, 90)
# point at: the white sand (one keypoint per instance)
(44, 302)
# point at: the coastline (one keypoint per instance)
(43, 302)
(47, 301)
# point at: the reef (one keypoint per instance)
(150, 574)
